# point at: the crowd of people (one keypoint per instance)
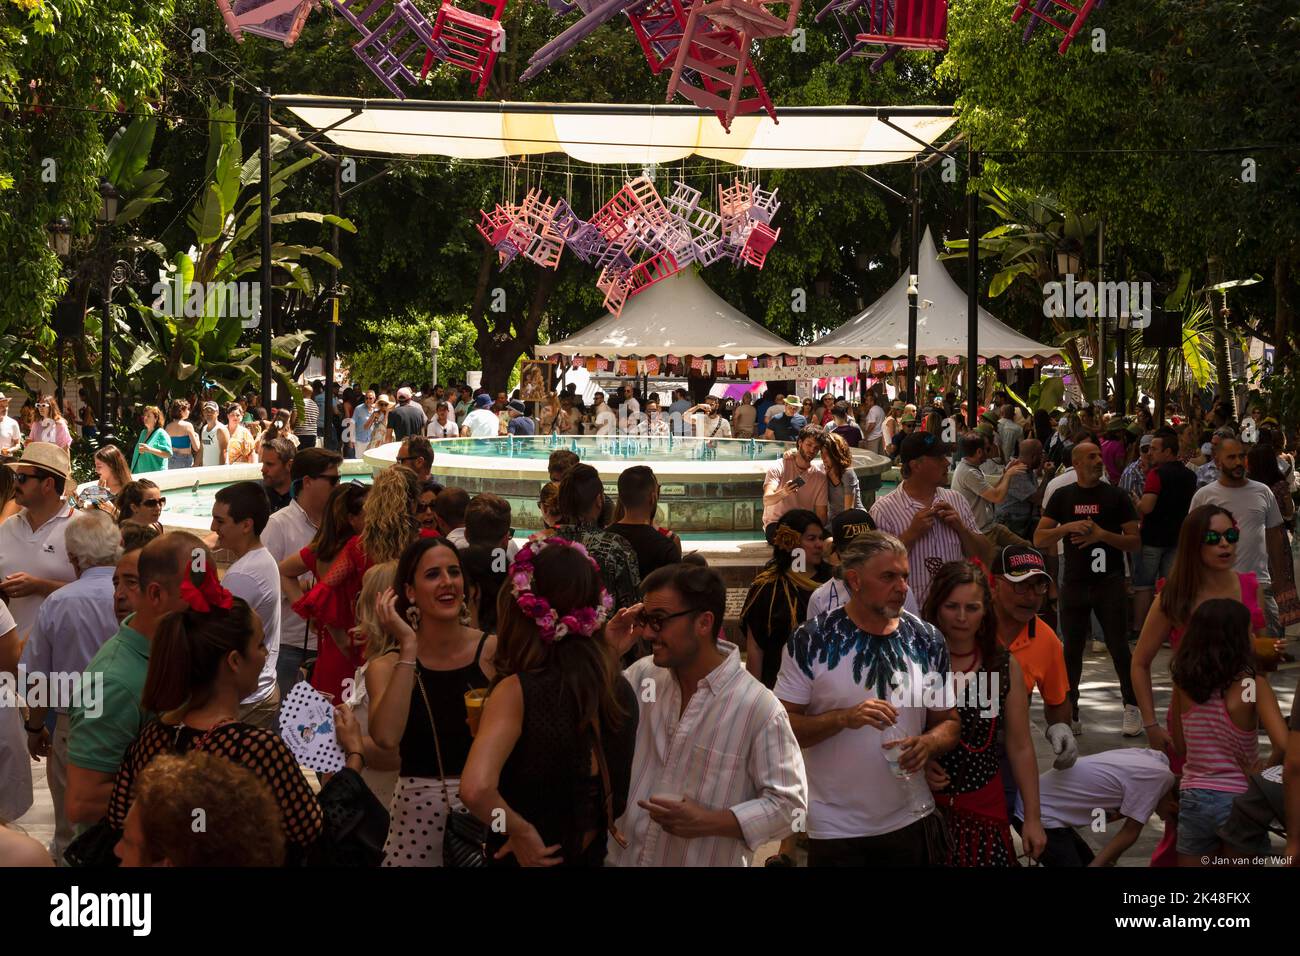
(582, 698)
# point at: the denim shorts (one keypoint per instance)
(180, 461)
(1200, 814)
(1152, 564)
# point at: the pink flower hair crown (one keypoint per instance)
(553, 626)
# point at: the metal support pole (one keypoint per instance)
(972, 292)
(913, 287)
(267, 306)
(331, 328)
(105, 332)
(1100, 360)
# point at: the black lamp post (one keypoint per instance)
(114, 275)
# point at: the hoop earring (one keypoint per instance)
(413, 616)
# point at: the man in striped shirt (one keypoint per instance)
(935, 524)
(717, 771)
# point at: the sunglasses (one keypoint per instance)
(403, 461)
(421, 507)
(332, 479)
(1037, 586)
(154, 503)
(1232, 536)
(655, 622)
(21, 477)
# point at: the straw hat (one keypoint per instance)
(46, 455)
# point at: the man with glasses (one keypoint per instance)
(716, 771)
(11, 433)
(1019, 581)
(361, 423)
(33, 556)
(798, 480)
(1097, 523)
(416, 453)
(288, 531)
(934, 523)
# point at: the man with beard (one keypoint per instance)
(1260, 549)
(839, 679)
(1097, 523)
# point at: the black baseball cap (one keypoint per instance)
(1018, 563)
(849, 524)
(923, 445)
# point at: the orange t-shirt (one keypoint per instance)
(1042, 661)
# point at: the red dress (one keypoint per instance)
(332, 603)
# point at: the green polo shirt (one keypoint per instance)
(109, 717)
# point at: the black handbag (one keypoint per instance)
(356, 824)
(465, 840)
(93, 847)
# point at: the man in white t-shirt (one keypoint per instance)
(603, 417)
(213, 436)
(707, 420)
(33, 557)
(861, 811)
(482, 422)
(1129, 784)
(442, 425)
(11, 433)
(873, 422)
(239, 516)
(1254, 507)
(315, 473)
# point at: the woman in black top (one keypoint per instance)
(417, 688)
(777, 602)
(554, 751)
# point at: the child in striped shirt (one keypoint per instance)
(1219, 704)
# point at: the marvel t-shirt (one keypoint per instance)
(1110, 508)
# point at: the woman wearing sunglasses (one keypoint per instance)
(1202, 571)
(140, 502)
(49, 425)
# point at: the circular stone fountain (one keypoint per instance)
(708, 488)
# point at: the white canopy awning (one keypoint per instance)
(881, 330)
(679, 315)
(805, 137)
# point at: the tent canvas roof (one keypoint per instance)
(807, 137)
(880, 331)
(679, 315)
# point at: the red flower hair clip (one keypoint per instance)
(206, 596)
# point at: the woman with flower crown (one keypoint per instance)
(554, 752)
(417, 684)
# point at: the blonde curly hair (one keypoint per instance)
(389, 523)
(377, 580)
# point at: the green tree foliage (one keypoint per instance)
(64, 66)
(397, 350)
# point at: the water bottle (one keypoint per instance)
(919, 800)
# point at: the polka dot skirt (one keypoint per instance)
(418, 818)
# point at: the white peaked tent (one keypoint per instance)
(679, 315)
(880, 331)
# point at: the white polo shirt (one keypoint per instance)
(288, 532)
(40, 553)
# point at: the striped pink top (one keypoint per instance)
(1216, 748)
